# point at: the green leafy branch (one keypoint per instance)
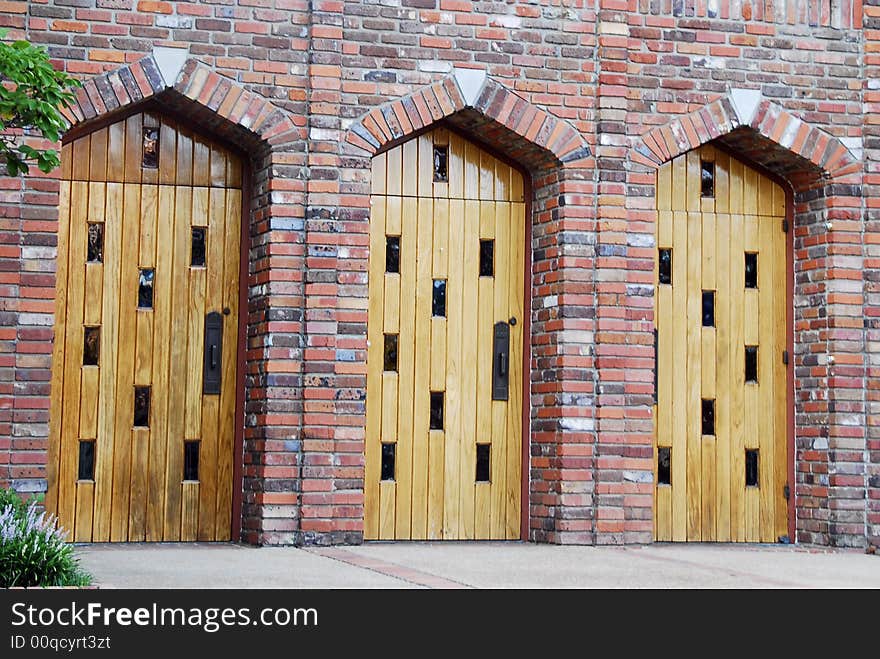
(32, 94)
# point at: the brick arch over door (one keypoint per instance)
(480, 106)
(758, 129)
(219, 105)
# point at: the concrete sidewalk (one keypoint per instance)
(477, 565)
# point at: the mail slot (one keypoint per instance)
(501, 361)
(213, 357)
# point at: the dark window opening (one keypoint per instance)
(708, 308)
(390, 351)
(145, 289)
(487, 258)
(438, 301)
(191, 461)
(664, 266)
(436, 410)
(95, 247)
(751, 467)
(91, 346)
(86, 471)
(751, 270)
(751, 363)
(441, 163)
(664, 465)
(708, 416)
(151, 148)
(388, 451)
(198, 246)
(484, 452)
(707, 178)
(142, 406)
(392, 254)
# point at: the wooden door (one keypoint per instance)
(722, 311)
(443, 447)
(141, 448)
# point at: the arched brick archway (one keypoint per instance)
(480, 106)
(183, 84)
(758, 129)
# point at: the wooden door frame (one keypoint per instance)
(527, 295)
(789, 323)
(152, 105)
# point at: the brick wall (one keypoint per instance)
(635, 80)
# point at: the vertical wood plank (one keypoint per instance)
(453, 396)
(722, 182)
(387, 497)
(483, 435)
(195, 341)
(81, 158)
(514, 415)
(218, 166)
(116, 152)
(226, 438)
(723, 384)
(487, 176)
(167, 152)
(410, 172)
(389, 407)
(377, 175)
(469, 337)
(694, 324)
(471, 171)
(781, 310)
(85, 504)
(422, 373)
(201, 163)
(737, 380)
(140, 452)
(439, 258)
(93, 293)
(180, 249)
(664, 187)
(425, 165)
(736, 187)
(189, 511)
(110, 335)
(406, 356)
(693, 180)
(499, 409)
(680, 407)
(436, 476)
(455, 167)
(98, 156)
(374, 403)
(767, 386)
(185, 160)
(394, 173)
(162, 362)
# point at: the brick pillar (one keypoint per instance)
(624, 309)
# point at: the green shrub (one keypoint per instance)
(33, 548)
(9, 497)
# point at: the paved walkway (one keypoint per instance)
(477, 565)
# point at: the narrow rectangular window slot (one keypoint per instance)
(438, 300)
(145, 289)
(191, 460)
(708, 308)
(142, 406)
(95, 245)
(198, 247)
(86, 471)
(707, 178)
(441, 164)
(751, 363)
(708, 416)
(664, 266)
(751, 467)
(392, 254)
(151, 148)
(390, 352)
(388, 451)
(436, 410)
(484, 452)
(487, 258)
(751, 270)
(664, 465)
(91, 346)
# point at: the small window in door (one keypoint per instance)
(664, 465)
(708, 416)
(708, 308)
(441, 164)
(392, 254)
(91, 346)
(436, 417)
(438, 299)
(751, 374)
(141, 407)
(151, 148)
(751, 467)
(390, 352)
(145, 289)
(86, 467)
(484, 452)
(95, 246)
(191, 461)
(751, 270)
(707, 179)
(664, 266)
(387, 471)
(487, 258)
(197, 252)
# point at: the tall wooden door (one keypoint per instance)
(444, 382)
(722, 310)
(144, 364)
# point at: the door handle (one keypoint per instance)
(500, 361)
(212, 367)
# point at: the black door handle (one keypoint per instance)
(501, 358)
(212, 366)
